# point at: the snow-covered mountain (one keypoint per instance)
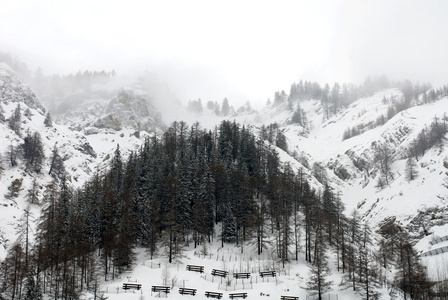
(340, 150)
(82, 152)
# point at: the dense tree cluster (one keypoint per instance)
(429, 136)
(224, 110)
(71, 82)
(332, 98)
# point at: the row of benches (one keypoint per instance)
(189, 291)
(222, 273)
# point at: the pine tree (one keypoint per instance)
(2, 167)
(335, 97)
(15, 121)
(12, 155)
(15, 188)
(259, 222)
(2, 114)
(47, 229)
(225, 108)
(411, 276)
(411, 169)
(33, 151)
(32, 287)
(24, 233)
(57, 167)
(14, 270)
(33, 192)
(367, 275)
(352, 247)
(48, 122)
(318, 282)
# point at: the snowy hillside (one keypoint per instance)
(340, 151)
(82, 154)
(351, 166)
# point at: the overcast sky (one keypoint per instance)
(243, 50)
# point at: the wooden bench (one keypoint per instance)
(267, 273)
(289, 298)
(158, 288)
(131, 285)
(195, 268)
(187, 291)
(213, 295)
(238, 295)
(241, 275)
(219, 273)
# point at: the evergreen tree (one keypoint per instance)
(12, 155)
(24, 233)
(32, 287)
(225, 108)
(33, 151)
(15, 121)
(14, 271)
(48, 122)
(318, 282)
(367, 271)
(411, 276)
(57, 167)
(335, 98)
(15, 188)
(411, 169)
(33, 192)
(2, 168)
(2, 114)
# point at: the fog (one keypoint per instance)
(242, 50)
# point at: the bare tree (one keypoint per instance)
(384, 159)
(12, 155)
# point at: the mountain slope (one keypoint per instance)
(82, 155)
(351, 166)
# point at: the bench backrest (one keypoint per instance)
(156, 288)
(219, 272)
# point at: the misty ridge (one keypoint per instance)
(63, 92)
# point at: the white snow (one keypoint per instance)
(290, 281)
(321, 144)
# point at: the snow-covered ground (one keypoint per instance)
(290, 281)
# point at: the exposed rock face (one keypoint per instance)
(12, 90)
(125, 109)
(130, 110)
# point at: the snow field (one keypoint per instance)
(290, 280)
